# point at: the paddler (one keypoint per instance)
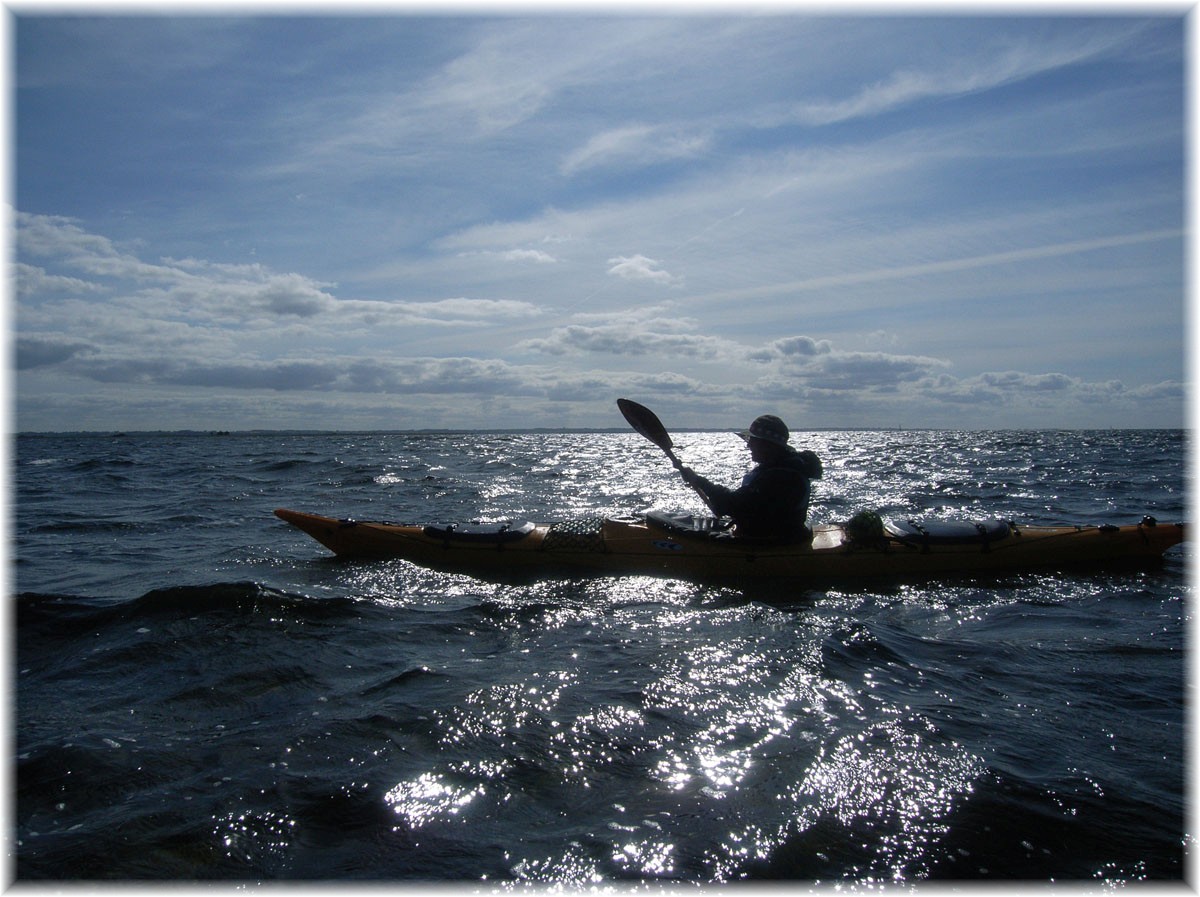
(772, 502)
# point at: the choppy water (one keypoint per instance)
(201, 692)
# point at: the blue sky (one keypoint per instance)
(409, 220)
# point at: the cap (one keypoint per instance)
(768, 428)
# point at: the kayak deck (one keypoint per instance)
(693, 549)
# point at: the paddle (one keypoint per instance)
(647, 423)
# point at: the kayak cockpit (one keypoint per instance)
(497, 534)
(691, 524)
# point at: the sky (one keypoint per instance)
(399, 219)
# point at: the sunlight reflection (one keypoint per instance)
(740, 697)
(598, 739)
(714, 718)
(653, 858)
(891, 775)
(573, 869)
(252, 837)
(430, 797)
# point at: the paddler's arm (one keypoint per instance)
(717, 497)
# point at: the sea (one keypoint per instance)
(201, 693)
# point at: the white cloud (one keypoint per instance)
(617, 339)
(791, 346)
(447, 312)
(1022, 382)
(516, 255)
(288, 294)
(638, 267)
(529, 255)
(32, 280)
(211, 293)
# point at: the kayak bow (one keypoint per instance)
(697, 549)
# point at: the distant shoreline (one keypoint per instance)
(582, 431)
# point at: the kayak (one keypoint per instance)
(701, 549)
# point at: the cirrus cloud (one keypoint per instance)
(635, 146)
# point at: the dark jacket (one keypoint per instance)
(772, 502)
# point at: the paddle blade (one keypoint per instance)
(647, 423)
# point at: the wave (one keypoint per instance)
(66, 614)
(408, 677)
(101, 463)
(84, 526)
(1006, 828)
(283, 465)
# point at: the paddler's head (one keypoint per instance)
(767, 438)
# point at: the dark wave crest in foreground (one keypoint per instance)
(238, 731)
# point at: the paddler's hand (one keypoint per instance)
(689, 476)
